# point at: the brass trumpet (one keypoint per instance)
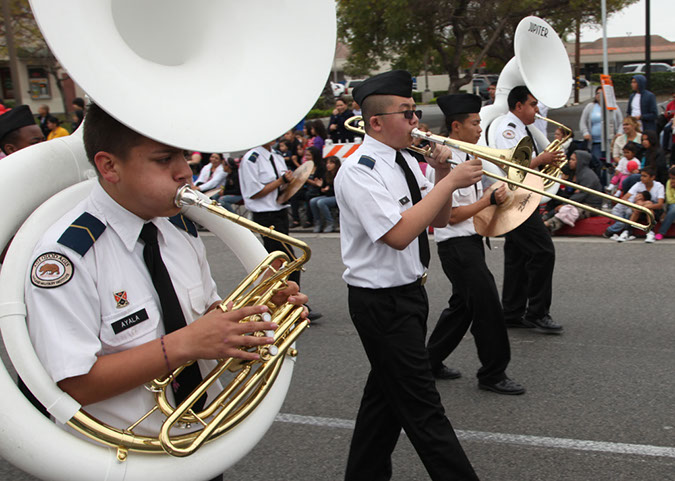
(554, 170)
(251, 379)
(516, 163)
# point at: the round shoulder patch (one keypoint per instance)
(509, 134)
(51, 270)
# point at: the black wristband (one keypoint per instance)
(493, 198)
(286, 181)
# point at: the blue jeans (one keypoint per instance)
(668, 221)
(227, 201)
(323, 205)
(621, 211)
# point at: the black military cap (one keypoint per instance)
(459, 104)
(14, 119)
(396, 82)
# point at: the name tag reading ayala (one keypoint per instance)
(130, 321)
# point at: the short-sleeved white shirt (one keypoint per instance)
(461, 197)
(209, 181)
(372, 192)
(109, 304)
(509, 131)
(657, 191)
(255, 171)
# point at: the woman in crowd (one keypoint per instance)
(669, 211)
(318, 134)
(212, 174)
(336, 124)
(631, 133)
(320, 206)
(231, 192)
(591, 127)
(55, 131)
(653, 156)
(314, 182)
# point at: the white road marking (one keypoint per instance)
(517, 439)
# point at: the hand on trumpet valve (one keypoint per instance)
(548, 157)
(221, 334)
(293, 295)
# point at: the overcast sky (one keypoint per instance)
(631, 21)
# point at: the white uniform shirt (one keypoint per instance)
(211, 181)
(109, 304)
(461, 197)
(509, 132)
(372, 192)
(657, 191)
(255, 171)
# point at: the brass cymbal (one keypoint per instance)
(300, 176)
(496, 220)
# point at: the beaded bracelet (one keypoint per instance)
(174, 383)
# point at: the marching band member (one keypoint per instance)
(386, 205)
(475, 300)
(529, 254)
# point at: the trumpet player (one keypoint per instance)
(475, 300)
(529, 254)
(120, 291)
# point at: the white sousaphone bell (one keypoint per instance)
(188, 74)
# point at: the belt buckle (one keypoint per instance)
(423, 279)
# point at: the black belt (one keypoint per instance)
(419, 282)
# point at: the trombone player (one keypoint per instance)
(529, 254)
(475, 300)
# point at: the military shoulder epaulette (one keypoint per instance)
(511, 124)
(82, 233)
(367, 161)
(253, 157)
(182, 222)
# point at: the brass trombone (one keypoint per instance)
(516, 164)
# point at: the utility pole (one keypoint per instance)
(13, 59)
(648, 45)
(577, 61)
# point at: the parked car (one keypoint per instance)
(641, 68)
(481, 83)
(338, 89)
(351, 84)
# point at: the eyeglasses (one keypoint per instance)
(408, 114)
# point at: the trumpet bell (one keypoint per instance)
(187, 73)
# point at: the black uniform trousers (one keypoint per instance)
(474, 302)
(278, 219)
(529, 259)
(400, 391)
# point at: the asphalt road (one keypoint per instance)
(600, 398)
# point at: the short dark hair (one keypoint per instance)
(649, 170)
(671, 171)
(518, 94)
(449, 119)
(79, 101)
(646, 195)
(11, 138)
(103, 133)
(373, 104)
(632, 146)
(52, 119)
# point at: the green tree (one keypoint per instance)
(451, 36)
(30, 44)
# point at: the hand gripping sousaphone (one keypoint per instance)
(187, 74)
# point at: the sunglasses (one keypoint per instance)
(407, 114)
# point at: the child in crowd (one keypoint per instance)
(286, 153)
(669, 215)
(630, 152)
(633, 177)
(640, 199)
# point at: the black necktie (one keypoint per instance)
(534, 144)
(274, 166)
(414, 189)
(173, 317)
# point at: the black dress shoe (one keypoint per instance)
(445, 372)
(313, 315)
(518, 324)
(545, 325)
(505, 386)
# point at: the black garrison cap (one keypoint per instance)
(14, 119)
(459, 104)
(396, 82)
